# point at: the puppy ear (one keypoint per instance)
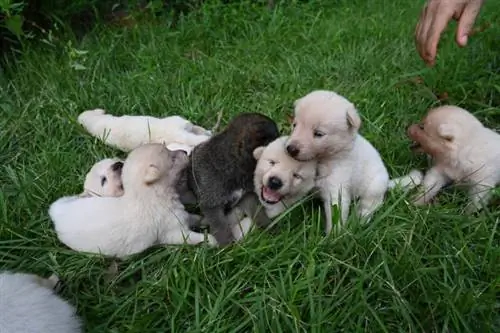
(353, 119)
(152, 174)
(446, 131)
(257, 152)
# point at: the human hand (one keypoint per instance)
(435, 17)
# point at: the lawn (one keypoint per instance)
(430, 269)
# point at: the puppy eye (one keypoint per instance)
(294, 125)
(421, 126)
(318, 134)
(297, 176)
(103, 181)
(272, 163)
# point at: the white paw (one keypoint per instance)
(211, 240)
(90, 113)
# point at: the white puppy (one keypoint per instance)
(112, 186)
(28, 304)
(280, 180)
(462, 150)
(325, 129)
(129, 132)
(104, 179)
(148, 213)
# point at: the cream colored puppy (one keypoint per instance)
(463, 151)
(325, 129)
(113, 187)
(104, 179)
(148, 213)
(28, 304)
(129, 132)
(280, 180)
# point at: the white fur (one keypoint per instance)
(148, 213)
(326, 129)
(129, 132)
(297, 177)
(102, 180)
(359, 173)
(28, 305)
(463, 151)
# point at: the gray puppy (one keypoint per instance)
(221, 170)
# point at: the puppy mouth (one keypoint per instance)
(416, 147)
(269, 196)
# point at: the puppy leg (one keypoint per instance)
(185, 236)
(342, 198)
(252, 208)
(327, 207)
(369, 204)
(434, 181)
(241, 229)
(198, 130)
(479, 196)
(193, 220)
(219, 223)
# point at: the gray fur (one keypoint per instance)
(222, 167)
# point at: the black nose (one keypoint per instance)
(292, 150)
(274, 183)
(117, 166)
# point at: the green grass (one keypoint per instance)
(410, 270)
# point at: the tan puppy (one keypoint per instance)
(104, 179)
(325, 129)
(462, 150)
(148, 213)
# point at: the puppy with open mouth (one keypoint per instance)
(462, 150)
(326, 129)
(280, 180)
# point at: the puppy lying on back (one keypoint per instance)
(221, 170)
(104, 179)
(462, 150)
(28, 304)
(325, 129)
(280, 180)
(148, 213)
(129, 132)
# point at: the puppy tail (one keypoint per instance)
(407, 182)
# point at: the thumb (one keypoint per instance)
(467, 20)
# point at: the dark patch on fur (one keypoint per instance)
(225, 164)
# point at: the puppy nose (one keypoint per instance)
(117, 166)
(292, 150)
(274, 183)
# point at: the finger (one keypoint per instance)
(421, 29)
(437, 27)
(466, 21)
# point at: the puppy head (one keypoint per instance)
(324, 124)
(105, 178)
(443, 131)
(250, 130)
(152, 164)
(278, 175)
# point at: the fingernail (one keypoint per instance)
(463, 40)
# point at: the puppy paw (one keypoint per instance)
(211, 241)
(90, 113)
